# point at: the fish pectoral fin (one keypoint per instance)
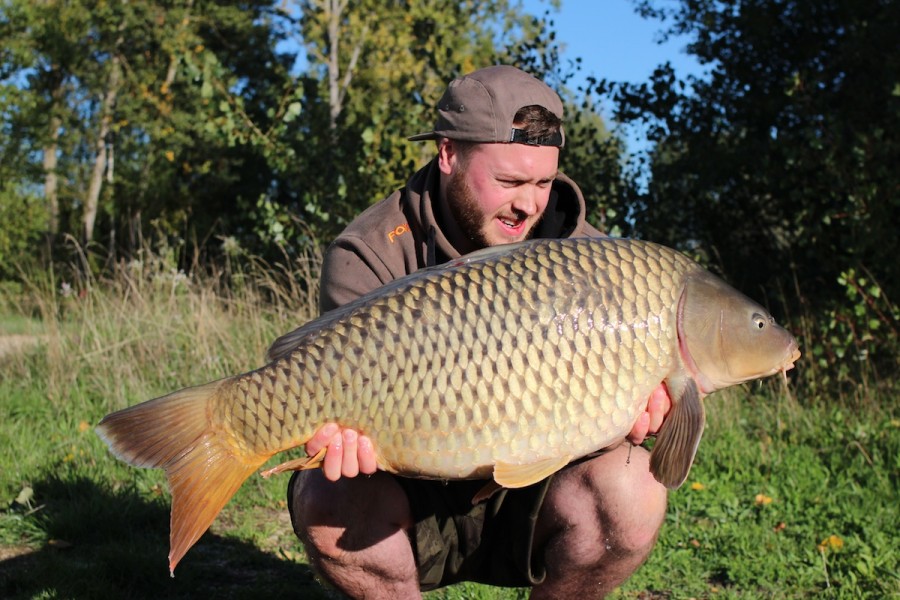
(678, 439)
(516, 476)
(298, 464)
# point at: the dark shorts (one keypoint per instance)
(491, 542)
(454, 540)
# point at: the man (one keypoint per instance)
(579, 533)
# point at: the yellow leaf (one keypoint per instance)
(832, 542)
(763, 500)
(170, 156)
(83, 426)
(697, 486)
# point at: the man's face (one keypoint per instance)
(499, 194)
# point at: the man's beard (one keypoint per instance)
(467, 213)
(465, 210)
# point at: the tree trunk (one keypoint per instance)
(337, 88)
(101, 157)
(51, 182)
(51, 150)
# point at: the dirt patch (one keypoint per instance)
(8, 552)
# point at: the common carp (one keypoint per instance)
(506, 364)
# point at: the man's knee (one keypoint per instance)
(356, 533)
(631, 504)
(346, 515)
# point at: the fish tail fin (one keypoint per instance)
(203, 466)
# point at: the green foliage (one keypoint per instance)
(783, 501)
(777, 166)
(170, 157)
(22, 224)
(592, 158)
(205, 123)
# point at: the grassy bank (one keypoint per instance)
(788, 498)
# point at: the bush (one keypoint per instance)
(22, 223)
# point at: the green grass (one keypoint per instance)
(789, 497)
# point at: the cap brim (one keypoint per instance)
(431, 135)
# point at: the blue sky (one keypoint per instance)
(615, 43)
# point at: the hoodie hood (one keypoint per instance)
(564, 216)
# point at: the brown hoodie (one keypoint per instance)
(401, 234)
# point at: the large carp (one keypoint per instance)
(506, 364)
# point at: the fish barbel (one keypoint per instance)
(506, 364)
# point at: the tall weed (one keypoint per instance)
(148, 326)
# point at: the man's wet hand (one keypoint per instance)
(652, 418)
(348, 453)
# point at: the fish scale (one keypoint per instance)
(505, 364)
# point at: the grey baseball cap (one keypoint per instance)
(481, 106)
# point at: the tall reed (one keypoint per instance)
(146, 327)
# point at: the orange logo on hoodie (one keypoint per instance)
(397, 232)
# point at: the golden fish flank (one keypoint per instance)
(508, 363)
(446, 403)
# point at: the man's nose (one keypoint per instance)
(528, 200)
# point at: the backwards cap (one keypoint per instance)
(481, 107)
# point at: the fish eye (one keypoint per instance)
(760, 321)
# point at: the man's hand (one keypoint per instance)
(348, 454)
(649, 423)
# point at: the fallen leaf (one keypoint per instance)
(763, 500)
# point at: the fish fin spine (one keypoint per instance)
(299, 464)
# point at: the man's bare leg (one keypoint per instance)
(598, 524)
(355, 531)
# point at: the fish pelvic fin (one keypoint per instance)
(203, 466)
(678, 439)
(516, 476)
(486, 492)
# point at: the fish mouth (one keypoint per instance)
(790, 357)
(788, 363)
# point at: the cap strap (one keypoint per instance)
(520, 136)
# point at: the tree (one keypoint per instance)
(376, 70)
(779, 167)
(194, 119)
(123, 101)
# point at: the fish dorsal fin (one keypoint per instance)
(516, 476)
(676, 445)
(287, 343)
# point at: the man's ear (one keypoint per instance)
(448, 157)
